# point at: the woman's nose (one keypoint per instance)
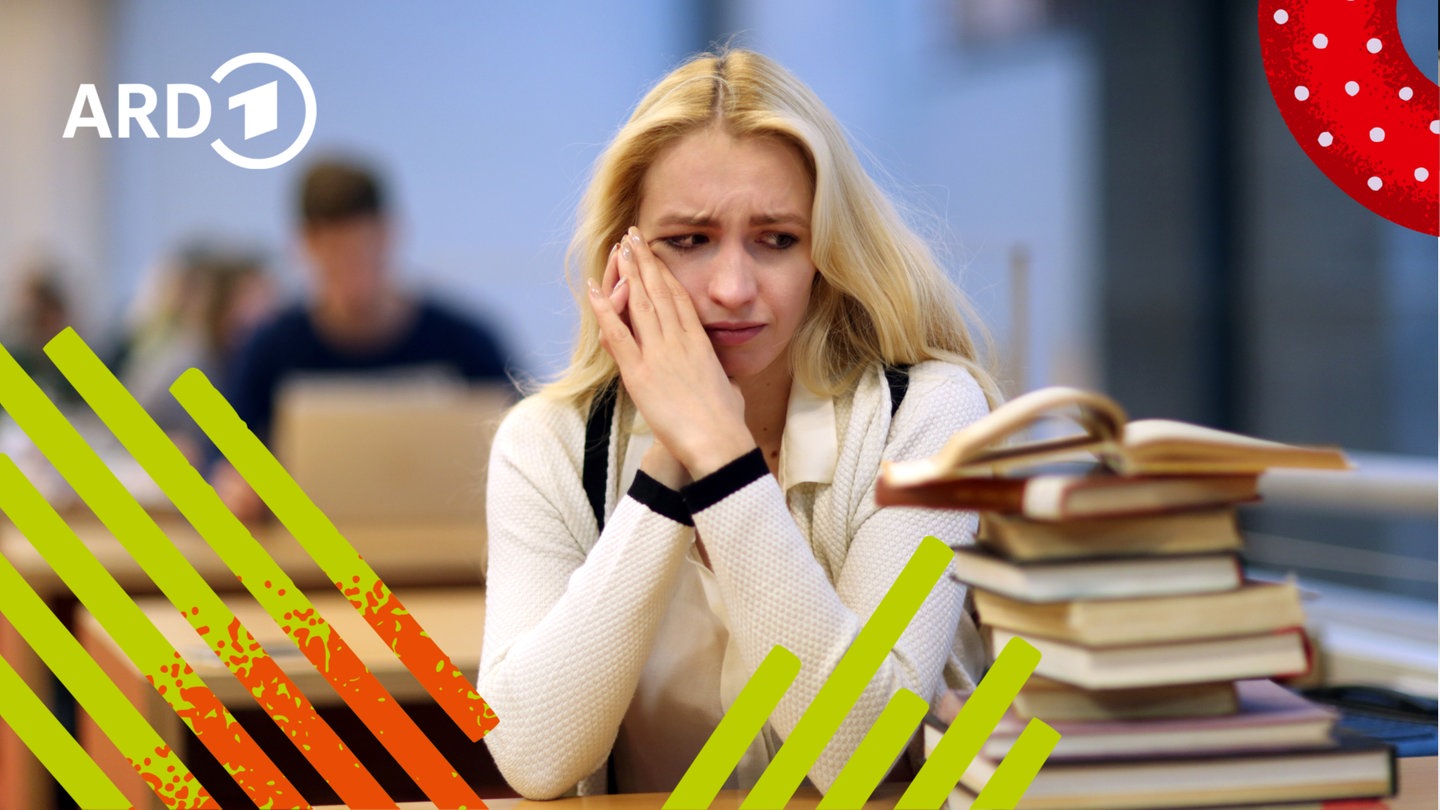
(732, 276)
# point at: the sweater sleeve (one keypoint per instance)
(566, 632)
(777, 593)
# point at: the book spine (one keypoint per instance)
(981, 494)
(1307, 647)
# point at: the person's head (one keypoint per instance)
(875, 292)
(346, 236)
(228, 293)
(43, 307)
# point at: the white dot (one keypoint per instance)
(1302, 92)
(1326, 139)
(1377, 134)
(1320, 41)
(1351, 88)
(1282, 16)
(1422, 174)
(1373, 46)
(1406, 94)
(1374, 183)
(1435, 126)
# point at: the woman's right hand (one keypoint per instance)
(658, 462)
(668, 363)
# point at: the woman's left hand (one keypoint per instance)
(667, 363)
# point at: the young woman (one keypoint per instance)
(698, 486)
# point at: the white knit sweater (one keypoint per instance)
(571, 619)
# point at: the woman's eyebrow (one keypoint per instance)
(706, 220)
(780, 219)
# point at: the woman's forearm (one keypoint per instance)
(566, 640)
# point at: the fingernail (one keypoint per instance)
(594, 291)
(619, 284)
(624, 251)
(635, 236)
(614, 248)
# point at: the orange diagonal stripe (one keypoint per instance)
(350, 573)
(162, 561)
(240, 652)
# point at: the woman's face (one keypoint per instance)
(730, 217)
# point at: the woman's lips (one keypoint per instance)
(733, 334)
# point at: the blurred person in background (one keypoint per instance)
(356, 318)
(40, 311)
(203, 304)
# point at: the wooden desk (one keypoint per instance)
(805, 799)
(412, 554)
(453, 617)
(1417, 792)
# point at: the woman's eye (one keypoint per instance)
(780, 241)
(686, 242)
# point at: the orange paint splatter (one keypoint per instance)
(425, 660)
(288, 707)
(344, 670)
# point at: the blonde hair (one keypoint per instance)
(879, 294)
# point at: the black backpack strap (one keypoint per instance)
(899, 379)
(593, 478)
(597, 449)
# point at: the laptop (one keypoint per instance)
(391, 449)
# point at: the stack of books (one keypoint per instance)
(1156, 653)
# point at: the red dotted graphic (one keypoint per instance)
(1356, 103)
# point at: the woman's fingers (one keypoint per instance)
(611, 276)
(660, 285)
(613, 285)
(615, 335)
(620, 296)
(640, 300)
(648, 298)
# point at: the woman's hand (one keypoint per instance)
(658, 462)
(666, 360)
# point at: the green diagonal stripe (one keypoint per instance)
(53, 745)
(873, 757)
(850, 677)
(336, 557)
(127, 521)
(1019, 767)
(231, 541)
(737, 729)
(92, 688)
(974, 724)
(77, 567)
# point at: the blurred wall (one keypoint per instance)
(990, 139)
(487, 118)
(51, 202)
(1244, 290)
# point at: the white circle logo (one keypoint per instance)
(261, 108)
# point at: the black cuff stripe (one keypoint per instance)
(660, 499)
(724, 482)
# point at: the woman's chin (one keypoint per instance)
(743, 368)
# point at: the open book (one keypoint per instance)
(1144, 447)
